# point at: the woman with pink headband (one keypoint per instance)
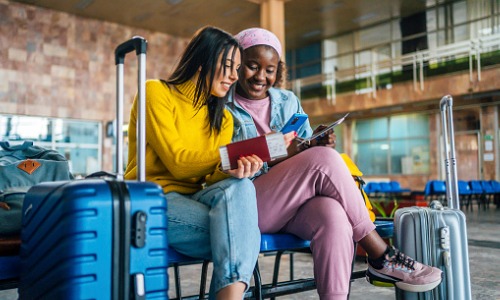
(311, 193)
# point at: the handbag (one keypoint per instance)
(21, 167)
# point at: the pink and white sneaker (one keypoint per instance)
(405, 273)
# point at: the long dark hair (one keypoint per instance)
(203, 51)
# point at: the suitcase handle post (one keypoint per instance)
(445, 106)
(139, 44)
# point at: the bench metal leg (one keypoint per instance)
(203, 281)
(276, 271)
(257, 292)
(177, 276)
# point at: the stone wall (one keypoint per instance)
(60, 65)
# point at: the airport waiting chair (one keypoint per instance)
(372, 189)
(477, 193)
(175, 261)
(278, 244)
(488, 192)
(386, 188)
(496, 188)
(396, 187)
(464, 193)
(384, 227)
(435, 190)
(10, 265)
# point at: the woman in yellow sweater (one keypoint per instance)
(211, 214)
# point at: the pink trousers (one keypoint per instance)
(313, 196)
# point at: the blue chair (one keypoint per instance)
(496, 188)
(279, 244)
(372, 189)
(438, 187)
(435, 190)
(488, 192)
(396, 187)
(427, 189)
(175, 260)
(495, 185)
(386, 188)
(464, 193)
(477, 192)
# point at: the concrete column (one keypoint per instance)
(272, 18)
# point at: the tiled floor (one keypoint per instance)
(484, 255)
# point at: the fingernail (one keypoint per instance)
(295, 134)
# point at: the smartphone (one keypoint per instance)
(294, 123)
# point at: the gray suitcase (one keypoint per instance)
(437, 235)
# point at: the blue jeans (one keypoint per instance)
(218, 223)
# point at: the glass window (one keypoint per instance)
(79, 141)
(410, 156)
(16, 128)
(372, 158)
(339, 132)
(375, 35)
(306, 61)
(392, 145)
(371, 129)
(409, 126)
(76, 131)
(82, 161)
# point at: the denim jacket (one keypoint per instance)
(284, 104)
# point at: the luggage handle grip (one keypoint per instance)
(137, 43)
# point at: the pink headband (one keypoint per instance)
(258, 36)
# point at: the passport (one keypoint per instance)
(267, 147)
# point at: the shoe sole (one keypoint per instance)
(386, 282)
(417, 288)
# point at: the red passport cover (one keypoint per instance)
(257, 146)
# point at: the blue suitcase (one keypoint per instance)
(94, 239)
(99, 238)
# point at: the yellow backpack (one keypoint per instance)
(356, 174)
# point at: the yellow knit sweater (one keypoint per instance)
(181, 152)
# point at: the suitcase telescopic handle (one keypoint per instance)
(139, 44)
(446, 107)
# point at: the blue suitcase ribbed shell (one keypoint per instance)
(67, 240)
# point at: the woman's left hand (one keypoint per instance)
(289, 137)
(328, 139)
(247, 167)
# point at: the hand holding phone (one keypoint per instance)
(294, 123)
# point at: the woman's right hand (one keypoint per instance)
(247, 167)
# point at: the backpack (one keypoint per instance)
(356, 175)
(21, 167)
